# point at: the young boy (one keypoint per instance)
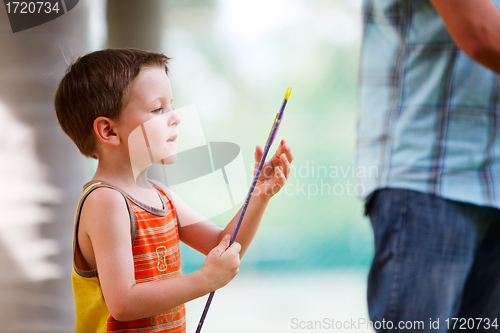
(126, 269)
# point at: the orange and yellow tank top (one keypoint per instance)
(155, 247)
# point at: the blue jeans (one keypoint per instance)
(434, 259)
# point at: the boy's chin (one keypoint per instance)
(167, 160)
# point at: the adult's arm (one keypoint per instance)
(475, 26)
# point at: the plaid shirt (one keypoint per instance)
(428, 114)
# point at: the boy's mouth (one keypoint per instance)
(172, 139)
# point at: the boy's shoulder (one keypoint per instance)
(104, 201)
(106, 213)
(104, 195)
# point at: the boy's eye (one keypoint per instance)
(157, 110)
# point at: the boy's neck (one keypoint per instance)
(120, 173)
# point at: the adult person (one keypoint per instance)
(429, 117)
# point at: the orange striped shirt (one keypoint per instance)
(155, 249)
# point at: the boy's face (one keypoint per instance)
(148, 123)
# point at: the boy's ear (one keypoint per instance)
(104, 128)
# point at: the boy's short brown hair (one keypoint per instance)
(95, 85)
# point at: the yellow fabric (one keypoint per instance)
(91, 311)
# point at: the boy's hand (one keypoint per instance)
(222, 263)
(274, 172)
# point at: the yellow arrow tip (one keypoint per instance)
(288, 92)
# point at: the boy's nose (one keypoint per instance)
(174, 119)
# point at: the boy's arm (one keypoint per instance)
(203, 235)
(105, 220)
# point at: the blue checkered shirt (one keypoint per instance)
(429, 115)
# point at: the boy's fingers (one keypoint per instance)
(283, 165)
(235, 248)
(287, 151)
(258, 155)
(286, 165)
(281, 179)
(281, 148)
(289, 154)
(224, 243)
(284, 148)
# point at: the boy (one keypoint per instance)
(126, 269)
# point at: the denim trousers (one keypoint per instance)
(436, 261)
